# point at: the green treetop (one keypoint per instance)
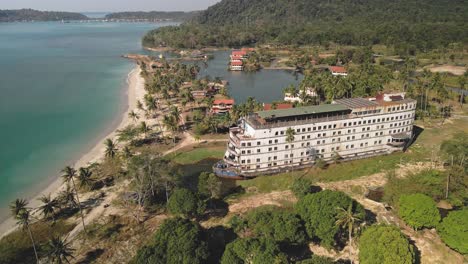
(418, 210)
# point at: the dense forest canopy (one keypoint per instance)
(35, 15)
(418, 24)
(153, 15)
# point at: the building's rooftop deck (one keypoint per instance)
(301, 111)
(356, 102)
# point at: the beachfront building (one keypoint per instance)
(347, 129)
(222, 106)
(237, 65)
(238, 57)
(338, 71)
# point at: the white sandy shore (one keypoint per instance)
(136, 91)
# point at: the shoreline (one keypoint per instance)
(134, 91)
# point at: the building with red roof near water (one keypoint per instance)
(338, 71)
(221, 106)
(237, 65)
(267, 107)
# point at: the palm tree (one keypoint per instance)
(139, 106)
(346, 218)
(126, 153)
(171, 124)
(59, 250)
(133, 115)
(67, 197)
(24, 220)
(68, 176)
(144, 128)
(175, 112)
(48, 206)
(85, 177)
(111, 148)
(17, 206)
(290, 138)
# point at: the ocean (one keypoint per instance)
(62, 87)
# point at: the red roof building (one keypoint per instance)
(237, 63)
(221, 106)
(239, 53)
(338, 70)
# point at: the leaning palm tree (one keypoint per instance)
(111, 148)
(139, 106)
(175, 112)
(171, 124)
(126, 153)
(346, 218)
(47, 209)
(290, 138)
(24, 221)
(144, 128)
(84, 177)
(67, 197)
(59, 250)
(17, 206)
(133, 115)
(68, 176)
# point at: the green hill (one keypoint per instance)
(413, 24)
(35, 15)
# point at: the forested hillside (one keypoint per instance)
(414, 24)
(153, 15)
(35, 15)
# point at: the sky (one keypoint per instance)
(108, 5)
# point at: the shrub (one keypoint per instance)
(383, 244)
(454, 230)
(177, 241)
(418, 211)
(319, 212)
(252, 250)
(185, 203)
(301, 187)
(276, 224)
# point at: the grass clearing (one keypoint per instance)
(195, 154)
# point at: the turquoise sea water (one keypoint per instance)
(61, 88)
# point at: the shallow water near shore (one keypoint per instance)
(62, 87)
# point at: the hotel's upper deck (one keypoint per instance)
(338, 110)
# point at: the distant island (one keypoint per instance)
(35, 15)
(152, 15)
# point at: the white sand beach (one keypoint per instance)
(135, 92)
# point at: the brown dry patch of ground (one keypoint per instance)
(455, 70)
(250, 202)
(115, 240)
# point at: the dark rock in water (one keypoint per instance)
(375, 193)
